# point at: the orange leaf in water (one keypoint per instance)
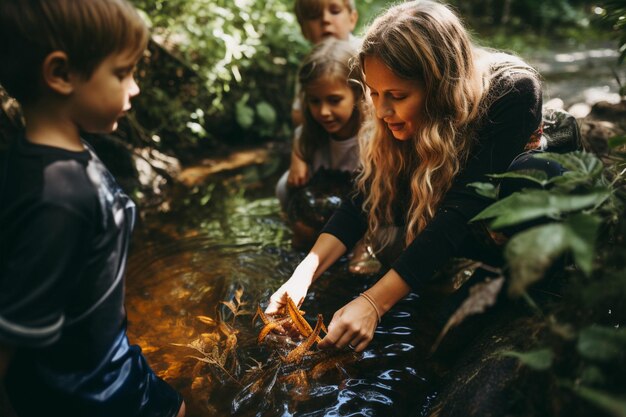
(231, 306)
(271, 325)
(298, 353)
(207, 320)
(260, 314)
(238, 294)
(298, 321)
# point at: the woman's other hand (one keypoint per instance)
(353, 325)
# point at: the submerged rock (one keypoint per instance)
(310, 207)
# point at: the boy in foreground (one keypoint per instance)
(65, 223)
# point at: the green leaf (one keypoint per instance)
(534, 175)
(485, 189)
(582, 233)
(613, 405)
(592, 375)
(579, 161)
(530, 253)
(244, 113)
(617, 141)
(529, 205)
(539, 360)
(570, 180)
(601, 344)
(266, 113)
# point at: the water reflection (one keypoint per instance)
(184, 263)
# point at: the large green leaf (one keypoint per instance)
(571, 180)
(539, 360)
(579, 161)
(529, 205)
(582, 233)
(602, 343)
(530, 253)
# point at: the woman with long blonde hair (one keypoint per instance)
(447, 113)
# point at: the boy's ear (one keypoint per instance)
(354, 17)
(56, 73)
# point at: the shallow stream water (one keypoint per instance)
(230, 235)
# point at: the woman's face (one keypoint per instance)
(399, 103)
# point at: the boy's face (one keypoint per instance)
(101, 100)
(336, 19)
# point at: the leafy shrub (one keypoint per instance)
(583, 218)
(241, 56)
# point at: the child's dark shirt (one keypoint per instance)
(66, 226)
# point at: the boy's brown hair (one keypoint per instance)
(310, 9)
(88, 31)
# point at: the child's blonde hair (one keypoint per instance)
(86, 30)
(311, 9)
(329, 60)
(426, 42)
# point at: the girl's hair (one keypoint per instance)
(330, 60)
(88, 31)
(425, 41)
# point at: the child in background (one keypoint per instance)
(320, 19)
(327, 138)
(65, 223)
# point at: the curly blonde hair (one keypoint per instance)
(424, 41)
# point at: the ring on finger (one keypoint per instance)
(350, 346)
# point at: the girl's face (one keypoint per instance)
(398, 102)
(336, 20)
(331, 103)
(98, 102)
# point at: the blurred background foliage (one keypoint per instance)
(221, 72)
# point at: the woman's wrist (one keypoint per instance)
(390, 289)
(306, 270)
(370, 300)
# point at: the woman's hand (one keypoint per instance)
(326, 250)
(295, 287)
(353, 325)
(298, 172)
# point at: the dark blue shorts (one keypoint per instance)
(122, 385)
